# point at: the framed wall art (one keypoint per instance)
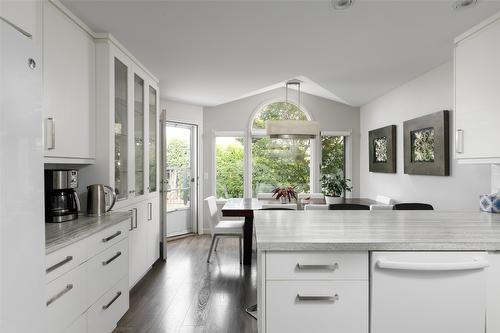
(427, 145)
(382, 149)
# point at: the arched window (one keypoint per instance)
(279, 162)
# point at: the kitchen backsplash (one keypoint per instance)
(495, 178)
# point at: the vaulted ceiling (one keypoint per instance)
(210, 52)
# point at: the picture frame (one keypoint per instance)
(382, 149)
(427, 145)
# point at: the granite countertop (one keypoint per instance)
(376, 230)
(59, 235)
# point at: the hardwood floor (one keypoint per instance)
(187, 295)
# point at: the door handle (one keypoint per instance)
(432, 266)
(150, 211)
(50, 133)
(459, 141)
(131, 220)
(135, 214)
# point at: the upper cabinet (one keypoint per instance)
(126, 124)
(477, 97)
(68, 87)
(22, 15)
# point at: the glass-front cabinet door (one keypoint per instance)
(153, 129)
(120, 129)
(139, 135)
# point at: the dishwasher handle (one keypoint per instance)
(432, 266)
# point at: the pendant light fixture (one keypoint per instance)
(291, 128)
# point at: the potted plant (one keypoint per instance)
(334, 185)
(285, 193)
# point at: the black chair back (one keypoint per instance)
(412, 206)
(276, 208)
(347, 206)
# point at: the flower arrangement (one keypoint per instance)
(285, 193)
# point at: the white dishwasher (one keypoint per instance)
(431, 292)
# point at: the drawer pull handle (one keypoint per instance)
(383, 263)
(59, 264)
(59, 294)
(116, 234)
(104, 263)
(118, 294)
(301, 298)
(301, 267)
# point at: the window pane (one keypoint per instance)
(178, 173)
(332, 155)
(229, 154)
(280, 162)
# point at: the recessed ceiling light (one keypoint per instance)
(342, 4)
(462, 4)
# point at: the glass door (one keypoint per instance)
(121, 129)
(153, 129)
(180, 179)
(139, 134)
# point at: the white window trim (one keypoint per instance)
(249, 133)
(226, 134)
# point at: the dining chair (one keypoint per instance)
(412, 206)
(381, 207)
(279, 206)
(303, 195)
(383, 199)
(264, 196)
(347, 206)
(315, 207)
(220, 228)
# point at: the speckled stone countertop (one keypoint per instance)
(59, 235)
(376, 230)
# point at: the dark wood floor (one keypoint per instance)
(186, 294)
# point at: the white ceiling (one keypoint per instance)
(210, 52)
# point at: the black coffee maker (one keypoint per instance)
(61, 200)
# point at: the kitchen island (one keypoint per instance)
(378, 271)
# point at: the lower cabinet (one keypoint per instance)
(144, 237)
(313, 292)
(87, 283)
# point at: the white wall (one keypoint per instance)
(190, 114)
(235, 116)
(426, 94)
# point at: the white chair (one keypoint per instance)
(315, 207)
(288, 206)
(264, 196)
(383, 199)
(381, 207)
(220, 228)
(302, 196)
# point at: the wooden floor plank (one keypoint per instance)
(187, 295)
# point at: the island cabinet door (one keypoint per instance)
(432, 292)
(317, 306)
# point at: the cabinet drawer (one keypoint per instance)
(317, 306)
(108, 237)
(317, 266)
(106, 269)
(65, 259)
(66, 299)
(105, 313)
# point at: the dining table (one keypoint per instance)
(245, 207)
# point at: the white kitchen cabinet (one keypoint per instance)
(78, 289)
(144, 238)
(477, 101)
(126, 126)
(68, 87)
(22, 15)
(431, 292)
(313, 291)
